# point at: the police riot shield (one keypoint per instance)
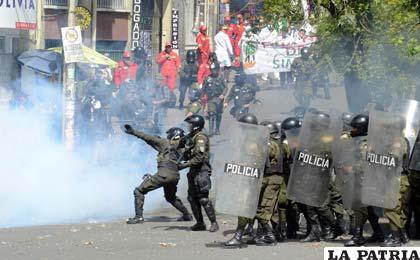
(383, 162)
(311, 170)
(238, 167)
(410, 111)
(292, 137)
(348, 167)
(415, 156)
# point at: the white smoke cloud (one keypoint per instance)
(43, 183)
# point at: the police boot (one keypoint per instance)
(279, 231)
(186, 216)
(314, 234)
(196, 209)
(393, 240)
(236, 240)
(357, 239)
(404, 236)
(138, 207)
(326, 232)
(211, 214)
(266, 238)
(336, 231)
(211, 124)
(378, 235)
(249, 231)
(218, 122)
(417, 224)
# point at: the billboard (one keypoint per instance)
(18, 14)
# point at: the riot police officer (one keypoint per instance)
(359, 125)
(275, 186)
(303, 69)
(167, 175)
(215, 89)
(243, 94)
(197, 159)
(188, 75)
(194, 107)
(236, 240)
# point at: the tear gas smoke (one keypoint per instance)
(43, 183)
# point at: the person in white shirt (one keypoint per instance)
(269, 36)
(224, 50)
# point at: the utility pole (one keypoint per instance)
(94, 22)
(69, 89)
(39, 34)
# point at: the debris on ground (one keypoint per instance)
(162, 244)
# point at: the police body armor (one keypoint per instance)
(239, 165)
(275, 164)
(168, 159)
(213, 87)
(188, 153)
(190, 71)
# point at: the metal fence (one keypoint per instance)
(56, 2)
(114, 4)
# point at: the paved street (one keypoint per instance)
(161, 237)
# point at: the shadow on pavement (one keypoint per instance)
(217, 244)
(169, 228)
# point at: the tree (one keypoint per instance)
(373, 44)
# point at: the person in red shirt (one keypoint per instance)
(231, 32)
(125, 71)
(203, 42)
(170, 64)
(240, 29)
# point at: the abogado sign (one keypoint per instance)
(135, 25)
(18, 14)
(72, 44)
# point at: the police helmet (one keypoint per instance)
(278, 124)
(214, 68)
(360, 124)
(248, 119)
(346, 117)
(190, 56)
(213, 57)
(291, 123)
(305, 53)
(272, 128)
(321, 120)
(196, 121)
(175, 133)
(194, 94)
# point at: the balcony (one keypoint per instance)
(114, 5)
(55, 4)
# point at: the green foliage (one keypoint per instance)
(377, 39)
(274, 10)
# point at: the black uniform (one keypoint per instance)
(242, 96)
(167, 175)
(188, 76)
(199, 184)
(214, 87)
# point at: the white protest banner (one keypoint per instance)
(18, 14)
(266, 58)
(72, 44)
